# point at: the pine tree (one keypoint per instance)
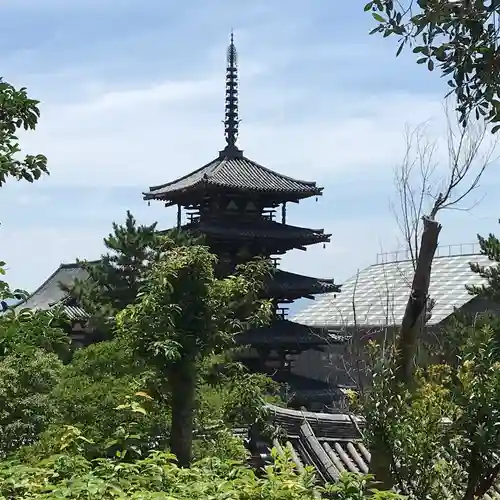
(114, 280)
(491, 248)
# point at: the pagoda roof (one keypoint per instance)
(284, 332)
(234, 228)
(234, 172)
(291, 285)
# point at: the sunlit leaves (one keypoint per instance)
(444, 433)
(186, 312)
(27, 405)
(156, 476)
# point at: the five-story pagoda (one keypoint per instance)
(235, 203)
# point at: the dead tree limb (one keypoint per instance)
(468, 157)
(419, 205)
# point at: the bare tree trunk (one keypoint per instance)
(466, 166)
(183, 386)
(411, 326)
(381, 464)
(416, 307)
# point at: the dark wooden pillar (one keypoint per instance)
(283, 213)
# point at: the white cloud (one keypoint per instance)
(153, 134)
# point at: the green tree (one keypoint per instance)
(491, 290)
(113, 281)
(17, 111)
(100, 378)
(27, 405)
(155, 477)
(184, 315)
(442, 436)
(32, 348)
(33, 328)
(459, 37)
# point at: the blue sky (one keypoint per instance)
(132, 95)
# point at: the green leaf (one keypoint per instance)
(378, 17)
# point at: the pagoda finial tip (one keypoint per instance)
(231, 120)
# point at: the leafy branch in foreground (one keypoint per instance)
(459, 37)
(17, 111)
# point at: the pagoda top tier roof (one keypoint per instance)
(234, 172)
(231, 170)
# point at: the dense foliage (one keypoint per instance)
(184, 315)
(442, 434)
(491, 248)
(84, 430)
(158, 477)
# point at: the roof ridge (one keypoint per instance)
(436, 257)
(69, 265)
(310, 415)
(63, 265)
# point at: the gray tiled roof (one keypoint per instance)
(49, 294)
(238, 173)
(381, 292)
(331, 443)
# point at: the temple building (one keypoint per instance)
(240, 207)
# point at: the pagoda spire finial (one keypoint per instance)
(231, 120)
